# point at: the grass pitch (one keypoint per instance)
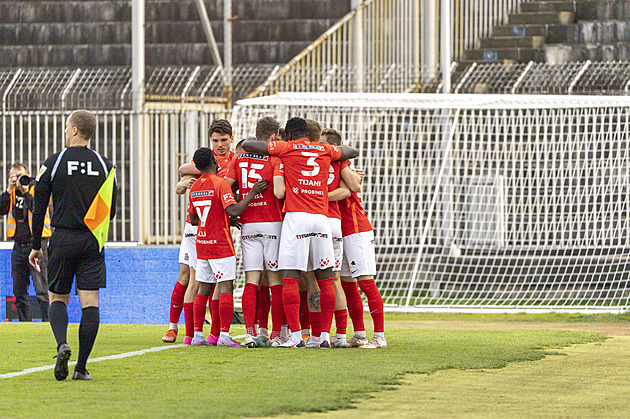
(225, 382)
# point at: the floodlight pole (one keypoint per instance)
(227, 49)
(358, 46)
(138, 193)
(445, 44)
(429, 30)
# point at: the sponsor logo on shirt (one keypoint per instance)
(227, 196)
(307, 235)
(296, 190)
(308, 147)
(206, 241)
(253, 156)
(197, 194)
(189, 235)
(260, 236)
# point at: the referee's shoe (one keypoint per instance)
(61, 366)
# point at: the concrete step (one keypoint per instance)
(511, 42)
(69, 11)
(96, 55)
(563, 18)
(554, 34)
(559, 54)
(501, 54)
(159, 32)
(603, 32)
(549, 6)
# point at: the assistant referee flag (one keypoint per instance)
(98, 215)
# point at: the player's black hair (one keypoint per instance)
(204, 158)
(296, 127)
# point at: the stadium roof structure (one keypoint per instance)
(436, 101)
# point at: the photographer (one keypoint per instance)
(17, 204)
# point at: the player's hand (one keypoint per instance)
(35, 257)
(360, 172)
(234, 222)
(188, 183)
(260, 186)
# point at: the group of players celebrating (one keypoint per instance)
(307, 244)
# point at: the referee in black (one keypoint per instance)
(74, 177)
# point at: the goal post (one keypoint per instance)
(485, 203)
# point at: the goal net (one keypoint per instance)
(490, 203)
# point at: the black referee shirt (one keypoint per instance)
(78, 176)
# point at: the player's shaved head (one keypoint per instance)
(332, 136)
(85, 122)
(266, 127)
(296, 128)
(204, 159)
(313, 129)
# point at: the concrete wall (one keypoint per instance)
(139, 285)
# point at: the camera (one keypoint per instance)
(24, 179)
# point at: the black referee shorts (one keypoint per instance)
(74, 252)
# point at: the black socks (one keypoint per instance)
(88, 329)
(58, 315)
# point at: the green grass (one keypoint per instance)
(224, 382)
(623, 318)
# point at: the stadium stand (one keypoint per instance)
(97, 35)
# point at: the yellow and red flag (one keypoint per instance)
(98, 215)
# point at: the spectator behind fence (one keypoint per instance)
(16, 202)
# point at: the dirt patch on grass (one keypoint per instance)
(610, 329)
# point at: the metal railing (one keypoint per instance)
(590, 78)
(374, 48)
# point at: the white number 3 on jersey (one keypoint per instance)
(311, 162)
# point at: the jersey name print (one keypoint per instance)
(306, 168)
(209, 196)
(247, 169)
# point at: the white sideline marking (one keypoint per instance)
(103, 358)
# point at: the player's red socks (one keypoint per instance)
(375, 302)
(327, 301)
(177, 301)
(316, 323)
(215, 328)
(277, 310)
(189, 319)
(291, 300)
(249, 308)
(226, 311)
(341, 321)
(355, 305)
(304, 322)
(200, 311)
(264, 305)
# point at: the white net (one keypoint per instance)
(486, 203)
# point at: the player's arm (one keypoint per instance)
(342, 192)
(255, 146)
(189, 169)
(279, 187)
(352, 179)
(347, 152)
(235, 210)
(184, 184)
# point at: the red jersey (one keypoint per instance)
(210, 195)
(248, 168)
(353, 216)
(334, 180)
(224, 162)
(306, 168)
